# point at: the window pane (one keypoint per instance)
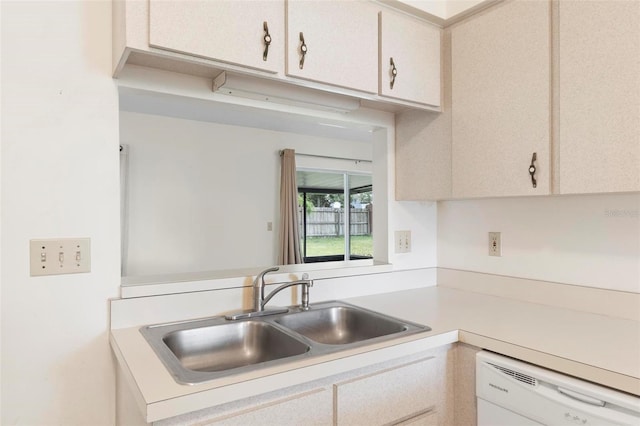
(361, 224)
(324, 214)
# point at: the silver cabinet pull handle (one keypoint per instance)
(303, 50)
(267, 40)
(532, 170)
(394, 73)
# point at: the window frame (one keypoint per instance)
(347, 192)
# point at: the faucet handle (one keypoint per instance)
(305, 277)
(305, 291)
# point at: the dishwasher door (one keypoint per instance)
(490, 414)
(514, 393)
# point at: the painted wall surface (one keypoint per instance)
(588, 240)
(59, 179)
(201, 193)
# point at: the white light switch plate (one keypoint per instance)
(402, 241)
(62, 256)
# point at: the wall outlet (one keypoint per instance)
(63, 256)
(403, 241)
(495, 246)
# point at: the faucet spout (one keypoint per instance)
(258, 289)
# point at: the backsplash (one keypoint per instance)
(586, 240)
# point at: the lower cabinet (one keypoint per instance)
(309, 408)
(387, 397)
(421, 389)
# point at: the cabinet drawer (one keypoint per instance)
(386, 397)
(309, 408)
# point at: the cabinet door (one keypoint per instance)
(389, 396)
(414, 48)
(341, 40)
(231, 31)
(310, 408)
(599, 96)
(501, 100)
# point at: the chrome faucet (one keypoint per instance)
(259, 300)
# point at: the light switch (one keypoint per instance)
(402, 241)
(62, 256)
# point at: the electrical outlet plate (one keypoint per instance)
(60, 256)
(402, 241)
(495, 245)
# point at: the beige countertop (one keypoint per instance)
(598, 348)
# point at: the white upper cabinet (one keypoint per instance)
(501, 101)
(238, 32)
(599, 96)
(409, 59)
(333, 42)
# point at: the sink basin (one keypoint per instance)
(197, 351)
(340, 325)
(202, 350)
(222, 347)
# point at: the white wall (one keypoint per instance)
(201, 193)
(588, 240)
(59, 179)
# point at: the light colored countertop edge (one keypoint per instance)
(454, 315)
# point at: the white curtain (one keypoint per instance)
(289, 231)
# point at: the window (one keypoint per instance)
(325, 216)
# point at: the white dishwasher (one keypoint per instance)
(514, 393)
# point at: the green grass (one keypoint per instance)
(325, 246)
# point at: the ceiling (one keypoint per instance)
(331, 181)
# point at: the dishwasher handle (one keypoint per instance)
(580, 397)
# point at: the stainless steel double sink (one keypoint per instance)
(202, 350)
